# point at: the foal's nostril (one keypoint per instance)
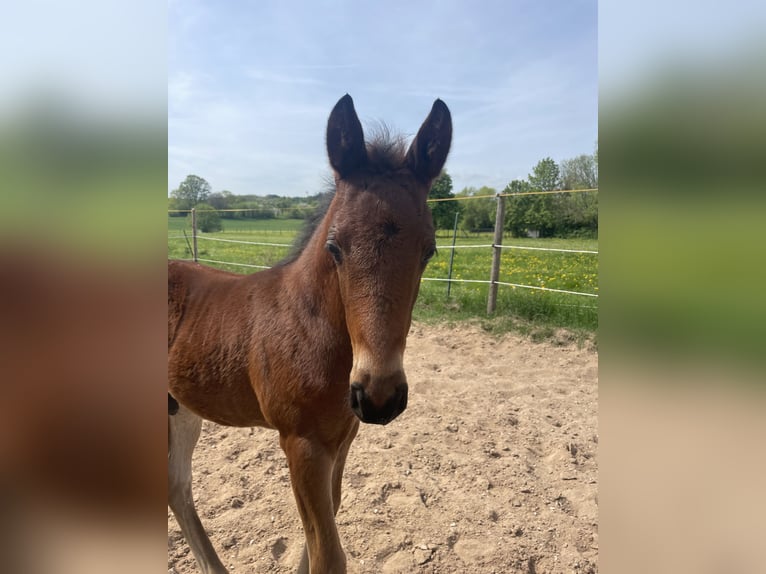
(356, 396)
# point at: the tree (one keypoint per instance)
(595, 159)
(545, 175)
(477, 214)
(580, 172)
(221, 199)
(193, 190)
(173, 208)
(443, 212)
(516, 220)
(208, 219)
(542, 214)
(577, 213)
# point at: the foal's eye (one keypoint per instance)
(334, 250)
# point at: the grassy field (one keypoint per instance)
(533, 311)
(278, 233)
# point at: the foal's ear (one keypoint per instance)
(430, 147)
(345, 139)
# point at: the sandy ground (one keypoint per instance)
(492, 468)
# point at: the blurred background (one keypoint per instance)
(83, 158)
(682, 129)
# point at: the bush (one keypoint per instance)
(208, 219)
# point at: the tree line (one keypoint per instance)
(527, 214)
(214, 207)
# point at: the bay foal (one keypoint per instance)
(315, 344)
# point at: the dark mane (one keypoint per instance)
(310, 224)
(386, 152)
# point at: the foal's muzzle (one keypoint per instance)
(369, 412)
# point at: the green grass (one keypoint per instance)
(533, 312)
(526, 310)
(246, 226)
(273, 231)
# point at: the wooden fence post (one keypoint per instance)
(194, 233)
(496, 252)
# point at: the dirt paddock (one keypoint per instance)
(492, 468)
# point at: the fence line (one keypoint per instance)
(237, 264)
(483, 281)
(547, 249)
(496, 247)
(443, 279)
(245, 242)
(517, 247)
(438, 247)
(492, 196)
(548, 289)
(510, 285)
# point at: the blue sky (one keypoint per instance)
(250, 84)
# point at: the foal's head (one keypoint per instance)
(380, 238)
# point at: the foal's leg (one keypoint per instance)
(337, 478)
(183, 432)
(340, 463)
(311, 473)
